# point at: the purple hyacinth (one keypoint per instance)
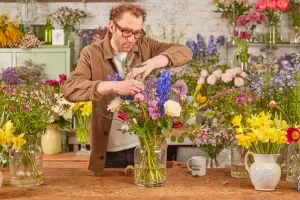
(10, 76)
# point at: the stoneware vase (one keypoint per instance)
(264, 173)
(51, 140)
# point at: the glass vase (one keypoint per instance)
(25, 164)
(291, 165)
(297, 34)
(82, 131)
(238, 168)
(273, 34)
(212, 160)
(150, 160)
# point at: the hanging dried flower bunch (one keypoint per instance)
(9, 32)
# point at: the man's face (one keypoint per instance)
(127, 24)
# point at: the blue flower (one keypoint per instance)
(194, 47)
(163, 89)
(221, 40)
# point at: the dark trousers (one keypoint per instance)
(120, 159)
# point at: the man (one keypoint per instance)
(89, 80)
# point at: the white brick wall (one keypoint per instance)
(197, 13)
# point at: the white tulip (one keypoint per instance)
(204, 73)
(201, 80)
(217, 73)
(211, 80)
(227, 77)
(239, 82)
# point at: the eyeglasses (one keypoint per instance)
(127, 33)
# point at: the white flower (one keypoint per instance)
(232, 72)
(237, 70)
(125, 127)
(204, 73)
(226, 77)
(243, 74)
(239, 82)
(172, 108)
(115, 105)
(134, 120)
(201, 80)
(211, 80)
(217, 73)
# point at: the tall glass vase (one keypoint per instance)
(82, 131)
(150, 160)
(212, 160)
(274, 34)
(25, 164)
(297, 34)
(238, 168)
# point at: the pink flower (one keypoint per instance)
(243, 35)
(124, 116)
(293, 135)
(272, 4)
(139, 97)
(263, 18)
(242, 20)
(283, 5)
(261, 5)
(62, 79)
(235, 33)
(248, 35)
(272, 104)
(254, 17)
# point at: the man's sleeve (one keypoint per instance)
(178, 54)
(79, 86)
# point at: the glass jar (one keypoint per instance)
(238, 168)
(297, 34)
(292, 164)
(25, 164)
(150, 163)
(274, 34)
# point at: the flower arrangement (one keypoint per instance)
(232, 9)
(246, 24)
(260, 133)
(8, 141)
(68, 17)
(212, 140)
(82, 112)
(9, 32)
(272, 8)
(150, 116)
(205, 56)
(234, 101)
(28, 74)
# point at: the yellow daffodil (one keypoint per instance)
(198, 88)
(18, 141)
(4, 139)
(76, 106)
(243, 140)
(239, 130)
(253, 137)
(236, 121)
(86, 110)
(9, 129)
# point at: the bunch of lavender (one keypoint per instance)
(10, 76)
(205, 56)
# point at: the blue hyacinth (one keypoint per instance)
(163, 89)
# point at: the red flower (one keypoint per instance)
(177, 124)
(293, 135)
(123, 116)
(261, 5)
(62, 78)
(52, 83)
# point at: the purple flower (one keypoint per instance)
(212, 47)
(10, 76)
(180, 88)
(153, 110)
(194, 47)
(150, 87)
(221, 40)
(163, 89)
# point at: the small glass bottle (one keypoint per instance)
(48, 31)
(238, 169)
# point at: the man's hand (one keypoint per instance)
(148, 67)
(128, 87)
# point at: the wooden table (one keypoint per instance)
(75, 183)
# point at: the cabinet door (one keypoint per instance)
(6, 60)
(55, 62)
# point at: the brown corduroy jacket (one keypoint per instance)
(94, 65)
